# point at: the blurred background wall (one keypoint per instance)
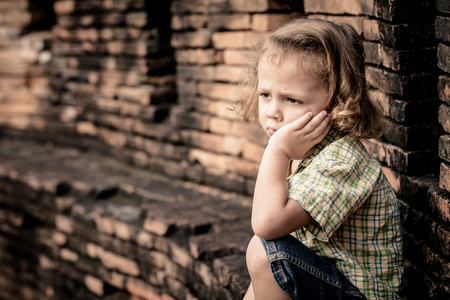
(148, 83)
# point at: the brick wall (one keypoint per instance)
(149, 83)
(24, 57)
(443, 36)
(211, 40)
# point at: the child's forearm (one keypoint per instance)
(274, 215)
(271, 192)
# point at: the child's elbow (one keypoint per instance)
(264, 228)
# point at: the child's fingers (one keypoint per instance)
(323, 120)
(302, 121)
(321, 133)
(317, 124)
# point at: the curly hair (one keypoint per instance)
(334, 53)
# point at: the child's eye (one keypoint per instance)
(264, 95)
(290, 100)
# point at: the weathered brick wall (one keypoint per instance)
(443, 36)
(113, 76)
(77, 225)
(402, 73)
(150, 84)
(211, 40)
(24, 57)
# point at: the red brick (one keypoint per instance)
(189, 21)
(59, 238)
(444, 177)
(210, 160)
(206, 141)
(186, 87)
(219, 125)
(400, 159)
(355, 21)
(120, 263)
(47, 263)
(156, 226)
(251, 131)
(443, 6)
(253, 152)
(205, 274)
(223, 109)
(236, 39)
(192, 6)
(245, 168)
(113, 138)
(181, 256)
(195, 72)
(444, 117)
(210, 73)
(123, 230)
(115, 279)
(142, 289)
(196, 56)
(112, 18)
(443, 54)
(444, 88)
(169, 151)
(142, 94)
(235, 57)
(165, 296)
(228, 73)
(69, 255)
(94, 284)
(400, 60)
(246, 6)
(198, 39)
(94, 251)
(215, 90)
(441, 236)
(64, 224)
(395, 12)
(115, 5)
(192, 120)
(403, 85)
(233, 145)
(401, 110)
(136, 19)
(90, 34)
(177, 288)
(64, 7)
(158, 259)
(351, 7)
(269, 22)
(443, 28)
(230, 22)
(87, 128)
(444, 147)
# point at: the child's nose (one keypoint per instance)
(273, 110)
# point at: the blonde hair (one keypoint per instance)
(337, 58)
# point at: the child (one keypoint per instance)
(331, 229)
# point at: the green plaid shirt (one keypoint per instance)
(356, 218)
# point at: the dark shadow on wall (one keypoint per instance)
(42, 16)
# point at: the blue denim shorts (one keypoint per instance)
(302, 274)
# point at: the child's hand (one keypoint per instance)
(296, 139)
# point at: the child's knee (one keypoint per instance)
(256, 257)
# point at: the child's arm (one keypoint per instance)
(273, 214)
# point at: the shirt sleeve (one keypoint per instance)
(330, 192)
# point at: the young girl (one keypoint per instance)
(330, 230)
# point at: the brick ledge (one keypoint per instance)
(100, 228)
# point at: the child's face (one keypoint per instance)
(287, 92)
